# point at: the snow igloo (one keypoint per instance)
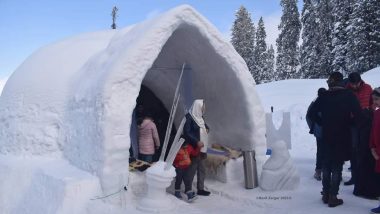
(73, 100)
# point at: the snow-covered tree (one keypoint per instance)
(373, 10)
(324, 43)
(243, 36)
(309, 48)
(358, 42)
(269, 68)
(260, 55)
(287, 41)
(341, 10)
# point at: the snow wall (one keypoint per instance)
(74, 99)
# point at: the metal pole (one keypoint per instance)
(250, 170)
(171, 116)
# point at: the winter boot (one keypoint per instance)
(325, 197)
(317, 174)
(177, 194)
(348, 183)
(190, 196)
(203, 192)
(334, 201)
(375, 210)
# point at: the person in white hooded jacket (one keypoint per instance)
(195, 132)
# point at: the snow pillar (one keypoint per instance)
(157, 179)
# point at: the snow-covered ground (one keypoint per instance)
(293, 96)
(288, 95)
(231, 197)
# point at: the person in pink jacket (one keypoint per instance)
(148, 138)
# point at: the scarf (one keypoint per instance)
(197, 113)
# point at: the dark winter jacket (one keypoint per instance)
(337, 107)
(366, 182)
(375, 137)
(313, 126)
(191, 132)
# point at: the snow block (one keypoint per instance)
(56, 187)
(50, 194)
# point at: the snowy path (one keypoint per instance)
(306, 199)
(234, 198)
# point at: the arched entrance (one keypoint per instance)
(147, 103)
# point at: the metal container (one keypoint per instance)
(250, 169)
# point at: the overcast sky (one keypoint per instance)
(26, 25)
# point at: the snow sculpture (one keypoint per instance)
(279, 172)
(283, 133)
(157, 179)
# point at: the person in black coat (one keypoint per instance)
(334, 112)
(366, 183)
(316, 130)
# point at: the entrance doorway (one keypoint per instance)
(147, 103)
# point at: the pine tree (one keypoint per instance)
(341, 9)
(260, 55)
(373, 7)
(309, 48)
(243, 36)
(324, 43)
(114, 16)
(358, 42)
(269, 68)
(287, 41)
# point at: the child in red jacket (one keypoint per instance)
(182, 162)
(375, 134)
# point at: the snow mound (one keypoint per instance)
(372, 77)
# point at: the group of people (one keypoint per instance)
(345, 120)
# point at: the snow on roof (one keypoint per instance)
(75, 98)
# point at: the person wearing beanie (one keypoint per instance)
(375, 136)
(335, 119)
(362, 92)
